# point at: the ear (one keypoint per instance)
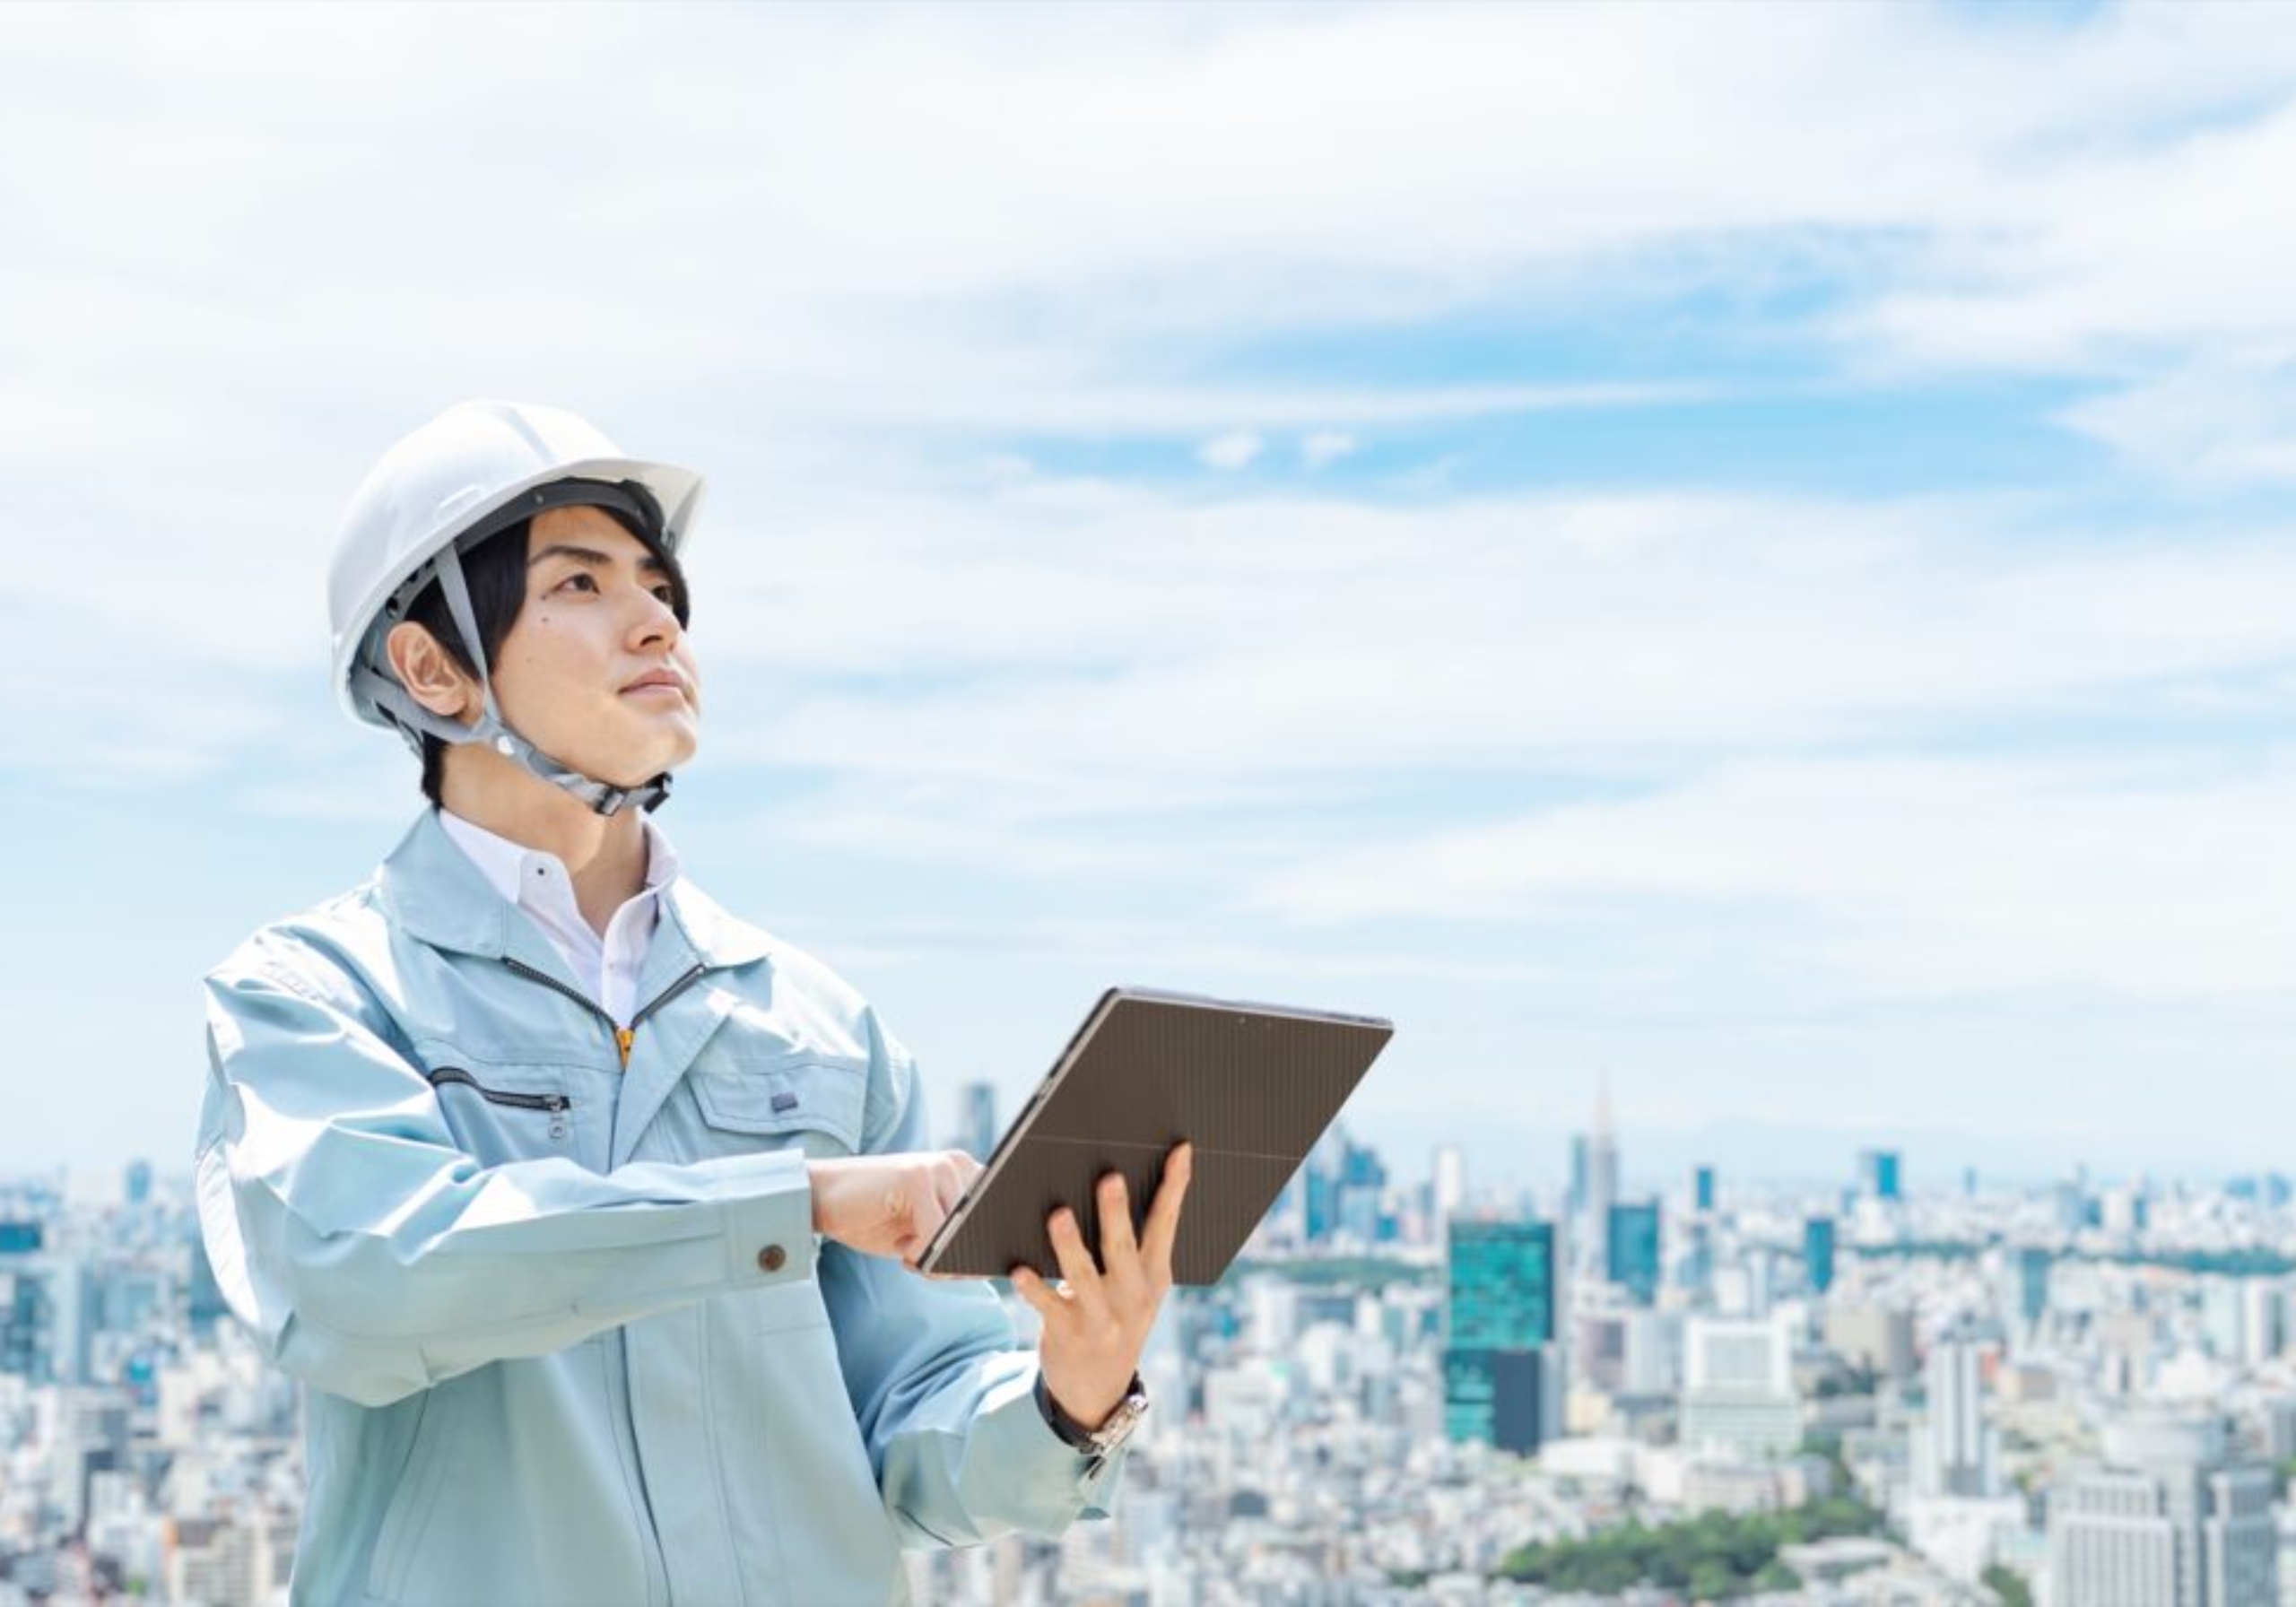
(430, 673)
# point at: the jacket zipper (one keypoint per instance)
(623, 1036)
(497, 1095)
(557, 1104)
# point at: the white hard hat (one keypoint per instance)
(468, 473)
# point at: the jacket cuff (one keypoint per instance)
(1061, 1482)
(768, 1213)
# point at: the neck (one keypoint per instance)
(605, 856)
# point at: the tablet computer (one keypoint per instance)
(1252, 1087)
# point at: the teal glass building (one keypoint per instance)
(1499, 1377)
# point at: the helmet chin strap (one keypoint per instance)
(415, 721)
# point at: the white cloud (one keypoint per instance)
(1910, 876)
(1080, 650)
(2221, 421)
(1102, 208)
(1325, 447)
(1233, 450)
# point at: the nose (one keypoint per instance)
(657, 622)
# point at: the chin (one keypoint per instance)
(637, 760)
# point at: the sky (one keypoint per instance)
(1743, 553)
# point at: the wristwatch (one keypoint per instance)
(1109, 1435)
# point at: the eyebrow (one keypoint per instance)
(592, 557)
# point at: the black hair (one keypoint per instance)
(495, 570)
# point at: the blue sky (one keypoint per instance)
(1743, 552)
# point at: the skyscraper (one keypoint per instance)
(1877, 1174)
(1501, 1382)
(1361, 1182)
(1817, 1252)
(1447, 1183)
(2168, 1519)
(1630, 1249)
(1602, 1179)
(1955, 1450)
(1739, 1396)
(2027, 1273)
(1702, 1188)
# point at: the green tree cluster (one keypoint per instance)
(2009, 1585)
(1713, 1557)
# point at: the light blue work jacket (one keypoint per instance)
(567, 1332)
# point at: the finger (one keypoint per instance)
(925, 1209)
(1032, 1289)
(1116, 1241)
(950, 1185)
(1164, 1213)
(1119, 1252)
(1083, 1279)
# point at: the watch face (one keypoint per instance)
(1120, 1422)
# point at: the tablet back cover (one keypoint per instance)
(1254, 1091)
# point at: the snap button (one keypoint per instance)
(770, 1259)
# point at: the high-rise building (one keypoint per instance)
(1630, 1249)
(2264, 1320)
(1630, 1351)
(1875, 1337)
(1320, 1176)
(2125, 1209)
(1738, 1396)
(1695, 1269)
(1701, 1188)
(207, 1304)
(1361, 1188)
(47, 1310)
(1817, 1252)
(1877, 1174)
(1602, 1180)
(1574, 1198)
(2072, 1202)
(976, 1128)
(1955, 1450)
(2167, 1519)
(2026, 1295)
(138, 1182)
(1502, 1376)
(1447, 1183)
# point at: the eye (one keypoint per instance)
(579, 578)
(668, 594)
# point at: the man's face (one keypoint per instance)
(597, 672)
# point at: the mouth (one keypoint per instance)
(655, 682)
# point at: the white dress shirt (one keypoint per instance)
(537, 882)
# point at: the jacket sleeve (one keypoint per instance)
(941, 1386)
(370, 1256)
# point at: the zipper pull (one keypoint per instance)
(623, 1036)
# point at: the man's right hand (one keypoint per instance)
(889, 1204)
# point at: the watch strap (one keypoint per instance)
(1072, 1432)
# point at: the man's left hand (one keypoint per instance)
(1097, 1318)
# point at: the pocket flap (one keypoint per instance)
(815, 1094)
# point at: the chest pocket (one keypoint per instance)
(804, 1098)
(500, 1113)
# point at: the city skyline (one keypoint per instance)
(1992, 1399)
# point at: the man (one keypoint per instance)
(588, 1213)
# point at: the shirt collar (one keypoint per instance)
(439, 893)
(508, 864)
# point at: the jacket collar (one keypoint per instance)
(431, 888)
